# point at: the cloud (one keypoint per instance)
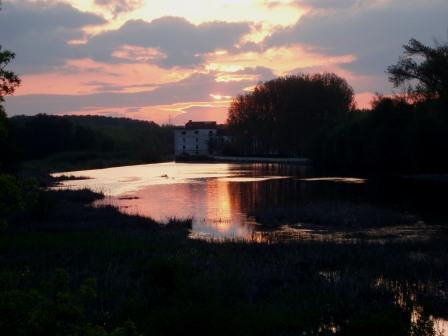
(39, 32)
(99, 86)
(322, 4)
(182, 100)
(374, 34)
(195, 88)
(262, 73)
(214, 113)
(42, 34)
(179, 42)
(333, 4)
(117, 7)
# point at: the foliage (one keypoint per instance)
(58, 310)
(85, 141)
(89, 279)
(424, 69)
(284, 116)
(9, 81)
(17, 197)
(394, 137)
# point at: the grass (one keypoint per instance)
(129, 275)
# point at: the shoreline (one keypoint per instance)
(260, 159)
(243, 159)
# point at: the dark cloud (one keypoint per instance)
(38, 32)
(99, 86)
(117, 7)
(374, 34)
(180, 42)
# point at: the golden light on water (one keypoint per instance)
(209, 193)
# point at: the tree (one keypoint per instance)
(285, 116)
(424, 69)
(9, 81)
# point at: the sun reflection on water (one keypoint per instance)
(211, 194)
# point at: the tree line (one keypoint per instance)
(85, 137)
(315, 116)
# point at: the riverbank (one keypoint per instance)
(248, 159)
(75, 269)
(244, 159)
(80, 161)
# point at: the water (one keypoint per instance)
(222, 198)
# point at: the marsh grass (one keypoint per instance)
(166, 284)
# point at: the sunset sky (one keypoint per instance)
(175, 60)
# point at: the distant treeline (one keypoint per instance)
(96, 139)
(394, 137)
(315, 116)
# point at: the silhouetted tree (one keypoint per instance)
(424, 69)
(9, 81)
(284, 116)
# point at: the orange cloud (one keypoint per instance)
(200, 11)
(86, 76)
(282, 60)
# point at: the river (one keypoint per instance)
(223, 199)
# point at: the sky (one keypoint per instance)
(172, 61)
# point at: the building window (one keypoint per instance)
(210, 133)
(197, 140)
(183, 147)
(183, 139)
(183, 132)
(197, 147)
(196, 132)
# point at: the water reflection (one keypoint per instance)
(336, 179)
(222, 198)
(218, 197)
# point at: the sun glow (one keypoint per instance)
(283, 60)
(220, 97)
(200, 11)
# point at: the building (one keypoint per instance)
(195, 139)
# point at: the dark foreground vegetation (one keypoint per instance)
(70, 269)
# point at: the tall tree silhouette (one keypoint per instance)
(424, 69)
(9, 81)
(285, 116)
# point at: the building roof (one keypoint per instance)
(201, 124)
